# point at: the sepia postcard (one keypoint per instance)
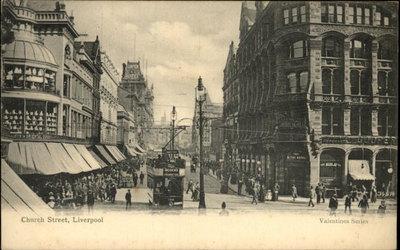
(199, 124)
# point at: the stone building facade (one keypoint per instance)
(317, 93)
(108, 100)
(137, 97)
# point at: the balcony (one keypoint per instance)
(331, 62)
(335, 98)
(360, 63)
(361, 98)
(290, 97)
(385, 64)
(387, 99)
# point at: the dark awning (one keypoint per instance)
(98, 158)
(103, 152)
(130, 150)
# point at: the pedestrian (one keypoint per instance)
(141, 177)
(347, 203)
(311, 196)
(323, 192)
(318, 192)
(255, 194)
(373, 194)
(113, 193)
(333, 204)
(135, 179)
(363, 204)
(128, 199)
(190, 186)
(223, 211)
(294, 192)
(276, 191)
(90, 200)
(240, 184)
(382, 207)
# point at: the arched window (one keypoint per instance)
(332, 47)
(298, 49)
(360, 49)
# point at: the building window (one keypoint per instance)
(360, 121)
(382, 17)
(298, 49)
(332, 121)
(332, 81)
(360, 15)
(385, 50)
(332, 47)
(386, 84)
(386, 122)
(331, 13)
(351, 15)
(295, 15)
(66, 84)
(360, 82)
(303, 81)
(360, 49)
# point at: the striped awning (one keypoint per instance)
(16, 196)
(130, 150)
(359, 170)
(114, 151)
(93, 162)
(107, 157)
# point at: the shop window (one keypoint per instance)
(332, 47)
(13, 115)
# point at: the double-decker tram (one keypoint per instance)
(165, 176)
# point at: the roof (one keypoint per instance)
(44, 5)
(29, 51)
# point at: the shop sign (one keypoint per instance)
(171, 172)
(295, 157)
(331, 164)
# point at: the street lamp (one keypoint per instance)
(201, 93)
(173, 119)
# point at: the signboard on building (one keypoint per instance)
(171, 172)
(295, 157)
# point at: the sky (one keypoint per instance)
(179, 40)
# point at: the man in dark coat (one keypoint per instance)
(135, 179)
(90, 200)
(347, 203)
(333, 204)
(318, 193)
(240, 184)
(141, 177)
(128, 198)
(323, 192)
(113, 193)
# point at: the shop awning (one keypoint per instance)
(130, 150)
(17, 196)
(59, 153)
(114, 151)
(77, 157)
(359, 170)
(33, 158)
(110, 160)
(140, 149)
(98, 158)
(93, 163)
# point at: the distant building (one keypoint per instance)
(137, 97)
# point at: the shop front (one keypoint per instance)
(296, 164)
(331, 168)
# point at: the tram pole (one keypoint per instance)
(200, 99)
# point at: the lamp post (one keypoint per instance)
(173, 119)
(200, 92)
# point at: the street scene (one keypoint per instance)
(225, 108)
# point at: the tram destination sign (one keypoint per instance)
(171, 172)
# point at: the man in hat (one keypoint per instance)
(90, 200)
(128, 198)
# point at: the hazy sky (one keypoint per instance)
(180, 40)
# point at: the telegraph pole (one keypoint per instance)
(202, 202)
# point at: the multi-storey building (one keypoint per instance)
(211, 111)
(230, 108)
(318, 93)
(50, 92)
(136, 96)
(108, 101)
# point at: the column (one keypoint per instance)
(374, 71)
(345, 168)
(374, 164)
(374, 122)
(346, 63)
(314, 169)
(315, 67)
(60, 114)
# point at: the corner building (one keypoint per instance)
(317, 93)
